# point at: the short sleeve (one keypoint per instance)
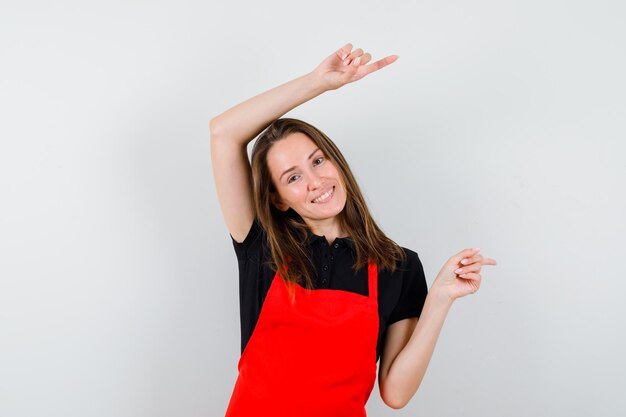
(250, 245)
(413, 292)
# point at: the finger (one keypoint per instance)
(471, 259)
(465, 253)
(354, 56)
(365, 58)
(470, 268)
(478, 258)
(343, 52)
(474, 281)
(357, 52)
(489, 261)
(381, 63)
(471, 276)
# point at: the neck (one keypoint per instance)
(329, 228)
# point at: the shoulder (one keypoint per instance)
(411, 261)
(411, 271)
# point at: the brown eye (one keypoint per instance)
(292, 178)
(318, 160)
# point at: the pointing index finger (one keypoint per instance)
(381, 63)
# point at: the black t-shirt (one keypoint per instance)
(400, 295)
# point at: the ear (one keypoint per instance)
(278, 203)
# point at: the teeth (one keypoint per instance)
(324, 196)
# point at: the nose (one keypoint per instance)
(315, 181)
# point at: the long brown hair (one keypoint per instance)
(287, 231)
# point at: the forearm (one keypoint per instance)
(408, 369)
(246, 120)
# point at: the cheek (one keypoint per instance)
(331, 171)
(337, 175)
(293, 192)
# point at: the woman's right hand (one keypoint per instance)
(345, 66)
(232, 130)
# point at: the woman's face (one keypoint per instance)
(304, 179)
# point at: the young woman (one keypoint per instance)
(324, 294)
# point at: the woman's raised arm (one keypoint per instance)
(232, 130)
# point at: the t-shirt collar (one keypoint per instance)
(313, 239)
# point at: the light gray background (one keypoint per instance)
(500, 126)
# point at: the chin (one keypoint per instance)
(335, 211)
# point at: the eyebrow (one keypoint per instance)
(294, 167)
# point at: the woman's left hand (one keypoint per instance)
(460, 275)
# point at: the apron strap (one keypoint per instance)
(372, 280)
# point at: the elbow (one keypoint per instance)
(214, 128)
(395, 404)
(392, 399)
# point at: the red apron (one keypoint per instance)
(313, 358)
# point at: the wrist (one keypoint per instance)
(440, 296)
(315, 83)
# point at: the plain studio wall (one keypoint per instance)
(500, 126)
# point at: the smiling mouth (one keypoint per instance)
(324, 197)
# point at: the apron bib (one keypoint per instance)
(312, 358)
